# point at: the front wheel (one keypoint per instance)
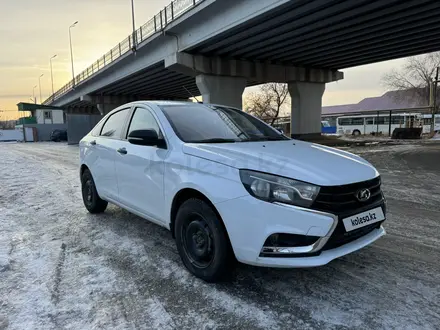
(202, 241)
(91, 199)
(356, 132)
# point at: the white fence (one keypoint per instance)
(16, 134)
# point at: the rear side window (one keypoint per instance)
(114, 125)
(97, 129)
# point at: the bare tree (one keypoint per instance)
(414, 78)
(2, 123)
(266, 104)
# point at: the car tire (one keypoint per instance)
(202, 241)
(91, 199)
(356, 132)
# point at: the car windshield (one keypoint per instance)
(198, 123)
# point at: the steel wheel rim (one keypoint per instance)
(198, 241)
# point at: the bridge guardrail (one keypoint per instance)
(156, 24)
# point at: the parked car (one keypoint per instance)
(228, 186)
(58, 135)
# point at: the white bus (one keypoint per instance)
(427, 123)
(368, 124)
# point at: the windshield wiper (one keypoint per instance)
(267, 138)
(214, 140)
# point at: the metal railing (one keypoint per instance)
(154, 25)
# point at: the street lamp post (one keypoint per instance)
(39, 84)
(71, 52)
(33, 94)
(51, 73)
(134, 25)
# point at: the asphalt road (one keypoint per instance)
(61, 267)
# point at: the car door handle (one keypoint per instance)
(122, 151)
(93, 142)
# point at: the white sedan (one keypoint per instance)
(230, 187)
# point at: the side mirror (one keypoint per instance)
(280, 130)
(145, 137)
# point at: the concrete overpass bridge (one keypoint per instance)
(215, 48)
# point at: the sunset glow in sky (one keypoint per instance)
(31, 32)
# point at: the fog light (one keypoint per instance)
(273, 239)
(290, 240)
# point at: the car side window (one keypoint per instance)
(97, 129)
(114, 125)
(143, 119)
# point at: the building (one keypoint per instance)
(48, 116)
(43, 119)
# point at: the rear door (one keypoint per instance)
(105, 145)
(140, 169)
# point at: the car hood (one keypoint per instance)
(295, 159)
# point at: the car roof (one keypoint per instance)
(160, 103)
(163, 102)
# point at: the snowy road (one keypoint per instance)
(61, 267)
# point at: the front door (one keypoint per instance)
(103, 168)
(140, 170)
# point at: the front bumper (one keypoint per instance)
(249, 222)
(324, 257)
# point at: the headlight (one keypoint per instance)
(273, 188)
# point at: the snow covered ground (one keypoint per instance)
(62, 268)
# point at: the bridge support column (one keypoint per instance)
(221, 89)
(305, 120)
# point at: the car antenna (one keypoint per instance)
(191, 94)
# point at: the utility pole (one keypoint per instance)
(434, 97)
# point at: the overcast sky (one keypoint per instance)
(31, 31)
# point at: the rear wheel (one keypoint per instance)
(91, 199)
(202, 241)
(356, 132)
